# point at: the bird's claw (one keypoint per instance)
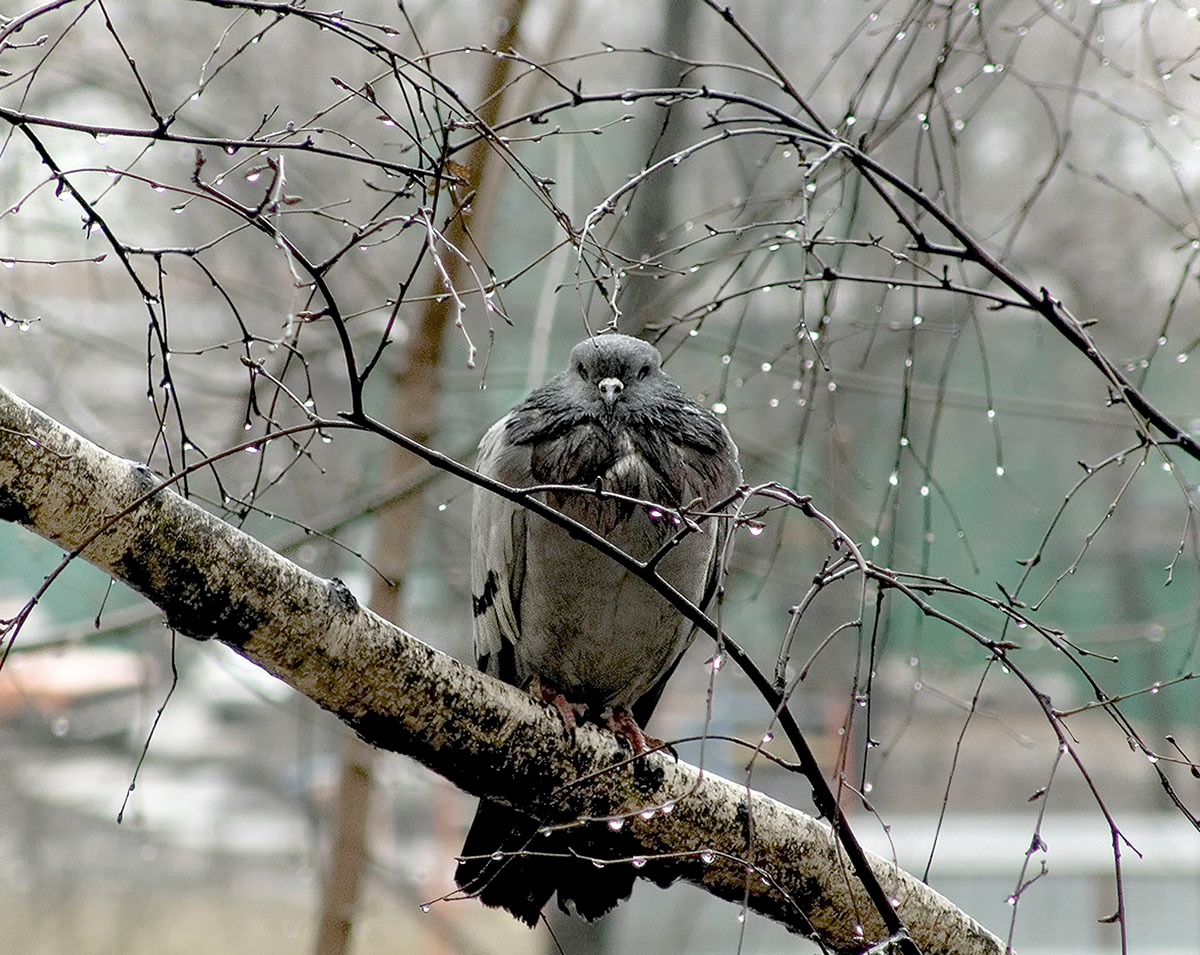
(570, 712)
(624, 726)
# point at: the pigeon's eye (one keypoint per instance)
(580, 371)
(645, 370)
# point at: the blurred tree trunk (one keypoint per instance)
(651, 214)
(415, 413)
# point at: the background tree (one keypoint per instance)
(926, 265)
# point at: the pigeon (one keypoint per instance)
(556, 616)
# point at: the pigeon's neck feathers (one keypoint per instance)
(655, 404)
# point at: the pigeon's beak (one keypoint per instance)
(610, 390)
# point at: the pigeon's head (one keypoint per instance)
(614, 369)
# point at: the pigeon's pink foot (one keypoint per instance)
(622, 723)
(570, 712)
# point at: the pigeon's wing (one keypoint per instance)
(721, 476)
(711, 472)
(498, 555)
(645, 704)
(706, 465)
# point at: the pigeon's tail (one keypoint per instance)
(509, 864)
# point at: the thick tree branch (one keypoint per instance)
(213, 581)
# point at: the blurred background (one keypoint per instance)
(948, 431)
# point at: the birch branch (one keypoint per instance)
(212, 581)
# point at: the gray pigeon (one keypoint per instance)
(555, 615)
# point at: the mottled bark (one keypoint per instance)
(213, 581)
